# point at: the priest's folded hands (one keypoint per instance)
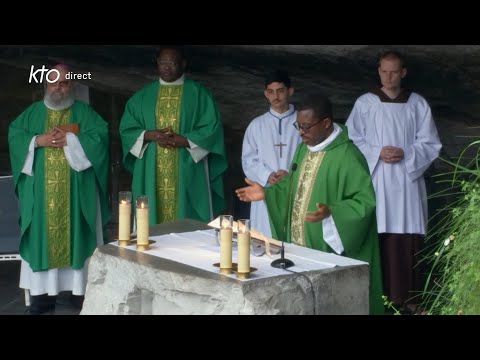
(166, 138)
(53, 138)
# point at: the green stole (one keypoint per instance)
(308, 174)
(57, 196)
(167, 112)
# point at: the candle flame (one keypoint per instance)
(142, 205)
(123, 202)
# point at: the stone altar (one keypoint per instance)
(177, 276)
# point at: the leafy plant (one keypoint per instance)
(453, 284)
(390, 306)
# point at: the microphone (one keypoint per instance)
(282, 262)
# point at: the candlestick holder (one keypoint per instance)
(246, 275)
(234, 270)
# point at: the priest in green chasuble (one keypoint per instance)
(173, 144)
(328, 201)
(59, 156)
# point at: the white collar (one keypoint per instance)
(179, 81)
(319, 147)
(284, 114)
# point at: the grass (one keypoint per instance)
(453, 284)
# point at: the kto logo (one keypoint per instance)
(43, 70)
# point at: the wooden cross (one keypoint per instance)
(280, 146)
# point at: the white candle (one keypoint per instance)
(243, 238)
(226, 234)
(226, 248)
(124, 211)
(243, 252)
(142, 224)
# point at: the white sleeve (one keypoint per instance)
(139, 147)
(331, 236)
(252, 165)
(197, 152)
(28, 164)
(426, 147)
(357, 133)
(74, 153)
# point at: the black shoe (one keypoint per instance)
(39, 310)
(41, 304)
(77, 301)
(64, 298)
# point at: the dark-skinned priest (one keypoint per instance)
(173, 144)
(332, 201)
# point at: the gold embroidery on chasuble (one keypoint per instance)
(57, 196)
(167, 112)
(308, 174)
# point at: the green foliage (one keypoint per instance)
(389, 305)
(453, 285)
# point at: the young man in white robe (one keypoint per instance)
(394, 129)
(270, 142)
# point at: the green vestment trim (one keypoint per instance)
(57, 196)
(308, 174)
(167, 112)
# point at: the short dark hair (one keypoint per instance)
(280, 76)
(178, 48)
(318, 102)
(392, 54)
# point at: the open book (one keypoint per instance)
(271, 245)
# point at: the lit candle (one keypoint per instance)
(142, 220)
(243, 238)
(226, 234)
(124, 211)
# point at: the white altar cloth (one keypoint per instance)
(200, 249)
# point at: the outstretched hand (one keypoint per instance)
(321, 213)
(253, 192)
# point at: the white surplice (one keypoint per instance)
(263, 139)
(400, 187)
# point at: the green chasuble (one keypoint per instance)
(198, 121)
(58, 205)
(338, 176)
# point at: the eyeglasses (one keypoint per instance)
(167, 63)
(305, 127)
